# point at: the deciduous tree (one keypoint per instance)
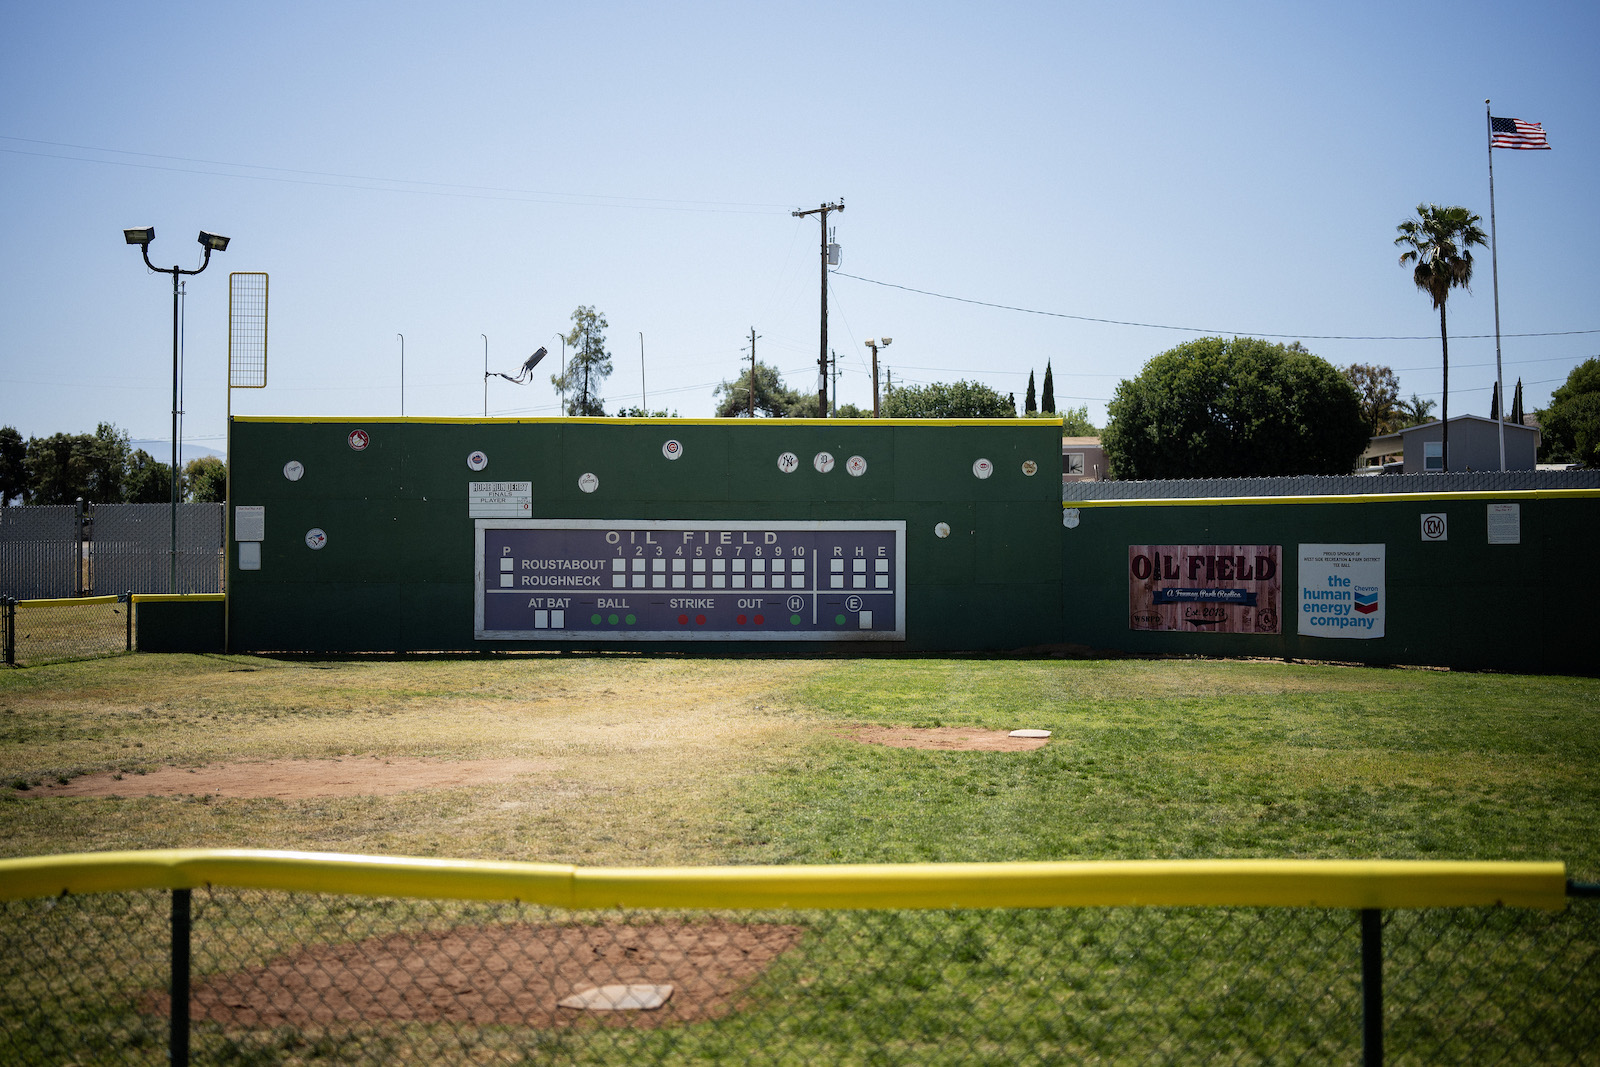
(13, 465)
(589, 364)
(1214, 408)
(205, 480)
(149, 481)
(1379, 391)
(773, 398)
(1570, 427)
(947, 400)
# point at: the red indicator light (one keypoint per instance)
(683, 620)
(700, 620)
(742, 620)
(760, 619)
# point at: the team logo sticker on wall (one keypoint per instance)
(316, 538)
(672, 449)
(856, 465)
(1341, 591)
(823, 461)
(477, 461)
(982, 468)
(294, 470)
(1029, 467)
(588, 482)
(358, 440)
(788, 462)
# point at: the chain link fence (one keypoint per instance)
(34, 632)
(50, 552)
(265, 976)
(41, 552)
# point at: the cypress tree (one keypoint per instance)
(1047, 401)
(1030, 403)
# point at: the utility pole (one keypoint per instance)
(821, 211)
(753, 336)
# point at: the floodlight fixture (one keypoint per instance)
(211, 242)
(887, 341)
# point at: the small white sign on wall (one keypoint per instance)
(1505, 524)
(499, 500)
(1435, 526)
(250, 522)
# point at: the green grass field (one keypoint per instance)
(656, 760)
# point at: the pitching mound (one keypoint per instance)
(509, 975)
(949, 738)
(296, 779)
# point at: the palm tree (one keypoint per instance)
(1439, 241)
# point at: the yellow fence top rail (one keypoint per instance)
(179, 598)
(1339, 498)
(1111, 883)
(68, 601)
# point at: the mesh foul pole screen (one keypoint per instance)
(247, 330)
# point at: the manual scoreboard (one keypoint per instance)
(666, 580)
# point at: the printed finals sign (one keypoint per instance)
(1341, 591)
(1231, 589)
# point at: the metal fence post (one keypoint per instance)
(127, 598)
(8, 609)
(178, 1042)
(1371, 987)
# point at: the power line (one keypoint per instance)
(1199, 330)
(330, 179)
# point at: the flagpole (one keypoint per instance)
(1494, 270)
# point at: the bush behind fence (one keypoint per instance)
(292, 976)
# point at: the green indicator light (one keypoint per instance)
(794, 620)
(594, 620)
(631, 619)
(838, 620)
(612, 619)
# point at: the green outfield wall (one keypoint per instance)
(784, 536)
(894, 535)
(1464, 580)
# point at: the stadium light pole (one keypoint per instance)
(485, 374)
(211, 242)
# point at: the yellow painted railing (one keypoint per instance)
(1353, 884)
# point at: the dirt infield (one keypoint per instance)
(507, 975)
(386, 776)
(296, 779)
(947, 738)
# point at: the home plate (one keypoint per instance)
(1030, 733)
(619, 998)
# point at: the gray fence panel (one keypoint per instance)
(131, 543)
(39, 549)
(1333, 485)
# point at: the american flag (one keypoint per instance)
(1514, 133)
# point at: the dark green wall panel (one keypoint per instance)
(397, 568)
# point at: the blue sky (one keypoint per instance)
(448, 172)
